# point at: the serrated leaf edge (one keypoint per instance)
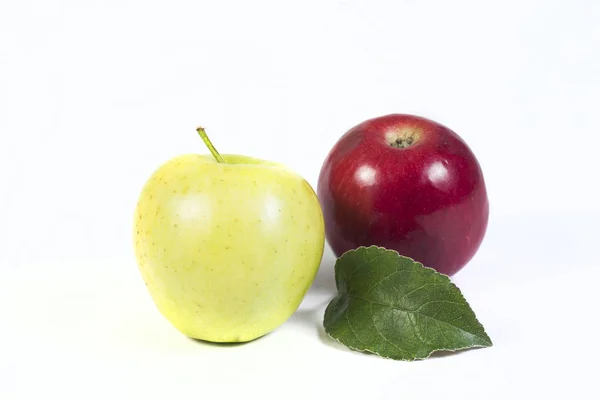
(406, 359)
(391, 251)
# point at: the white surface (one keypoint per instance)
(95, 95)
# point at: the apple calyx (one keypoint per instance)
(403, 138)
(209, 144)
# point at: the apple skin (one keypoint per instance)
(227, 250)
(427, 200)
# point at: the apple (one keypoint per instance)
(406, 183)
(227, 245)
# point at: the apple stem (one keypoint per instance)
(209, 144)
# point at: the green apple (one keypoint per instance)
(227, 245)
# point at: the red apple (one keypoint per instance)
(405, 183)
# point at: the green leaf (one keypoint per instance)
(395, 307)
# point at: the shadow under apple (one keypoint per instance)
(324, 283)
(322, 291)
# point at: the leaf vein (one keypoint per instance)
(352, 329)
(414, 312)
(421, 287)
(381, 334)
(413, 326)
(437, 301)
(379, 282)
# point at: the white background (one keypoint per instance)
(94, 95)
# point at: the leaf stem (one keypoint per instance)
(209, 144)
